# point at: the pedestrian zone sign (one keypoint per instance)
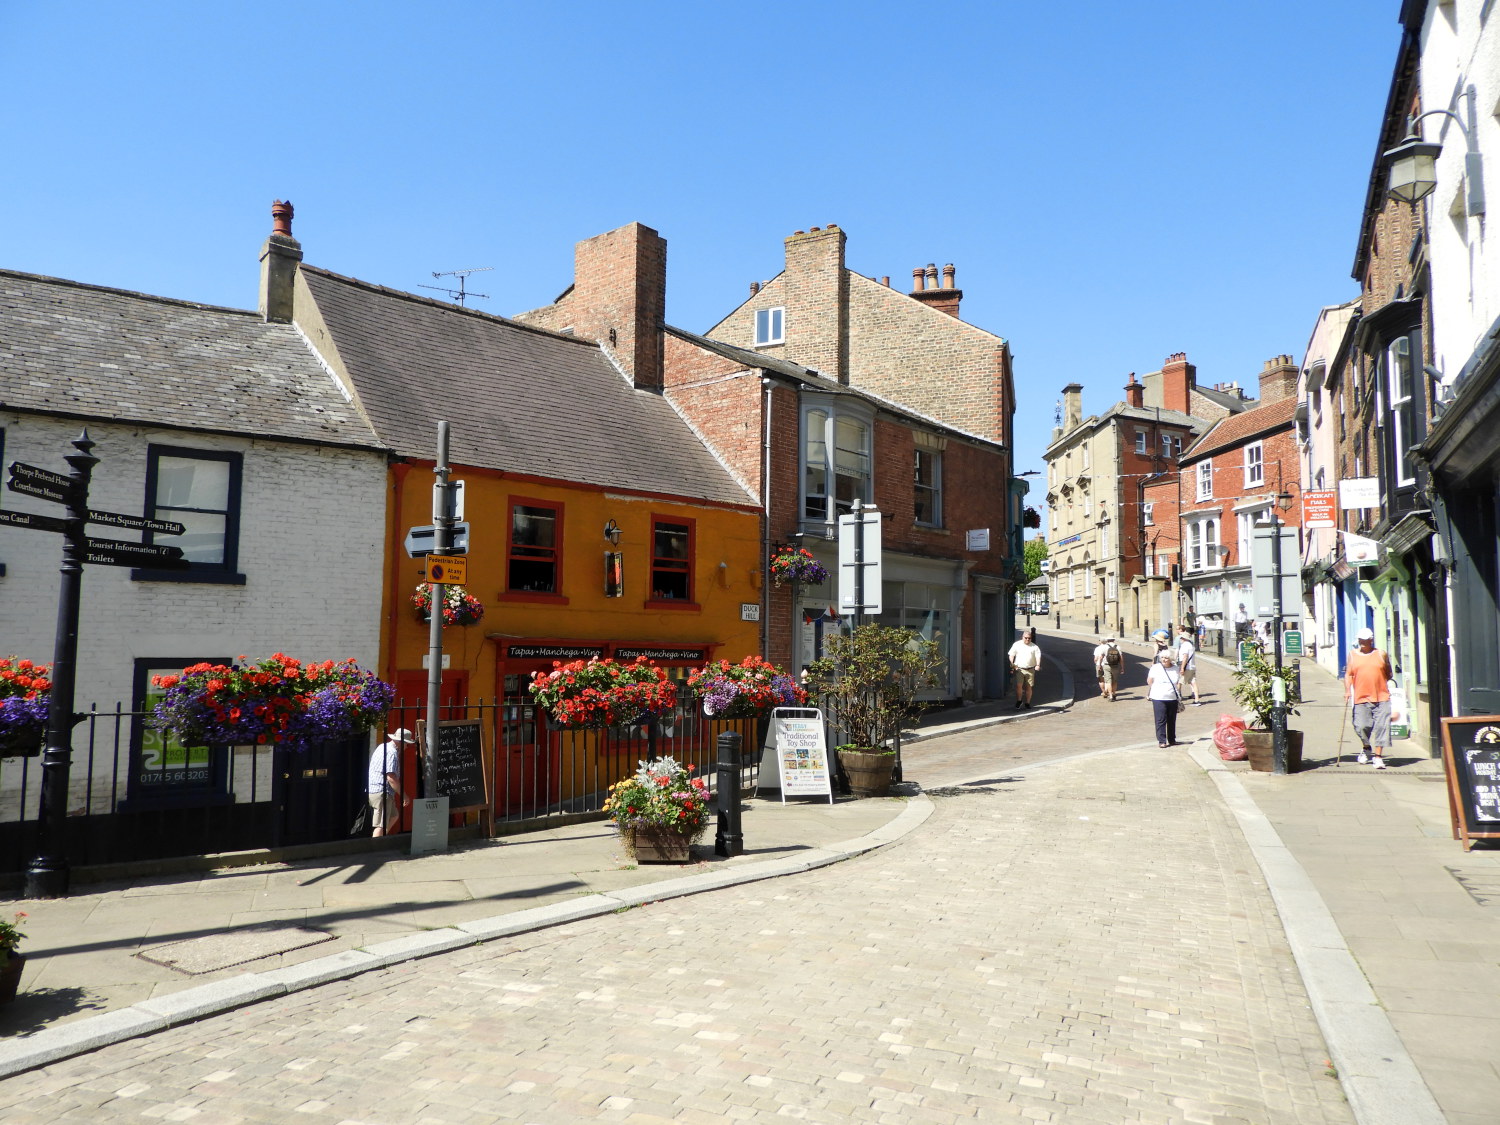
(446, 570)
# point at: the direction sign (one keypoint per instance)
(447, 570)
(27, 519)
(153, 550)
(422, 540)
(110, 553)
(37, 488)
(23, 471)
(136, 523)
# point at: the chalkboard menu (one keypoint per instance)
(460, 767)
(1471, 759)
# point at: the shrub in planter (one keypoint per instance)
(745, 690)
(25, 695)
(1252, 688)
(871, 678)
(594, 694)
(279, 700)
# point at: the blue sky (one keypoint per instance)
(1115, 182)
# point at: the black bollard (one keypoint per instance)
(730, 840)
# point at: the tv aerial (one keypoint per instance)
(460, 294)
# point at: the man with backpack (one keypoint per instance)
(1109, 662)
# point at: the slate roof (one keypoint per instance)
(1136, 413)
(89, 352)
(1238, 428)
(520, 399)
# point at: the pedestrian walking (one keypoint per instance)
(1025, 658)
(1241, 623)
(1366, 686)
(1187, 663)
(1161, 689)
(383, 784)
(1160, 640)
(1109, 662)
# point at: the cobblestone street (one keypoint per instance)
(1091, 942)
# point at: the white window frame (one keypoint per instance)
(833, 411)
(1140, 442)
(1398, 357)
(1247, 517)
(1255, 465)
(1201, 545)
(1147, 511)
(1111, 589)
(770, 326)
(1205, 479)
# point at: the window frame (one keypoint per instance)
(833, 412)
(559, 525)
(1148, 512)
(689, 565)
(213, 789)
(934, 490)
(1255, 464)
(774, 326)
(1204, 476)
(1401, 406)
(1201, 545)
(225, 572)
(1140, 442)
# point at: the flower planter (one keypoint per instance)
(21, 744)
(1262, 756)
(651, 844)
(10, 977)
(869, 771)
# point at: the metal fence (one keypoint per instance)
(133, 795)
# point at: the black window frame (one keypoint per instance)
(212, 790)
(226, 572)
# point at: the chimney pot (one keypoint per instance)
(885, 279)
(948, 273)
(811, 230)
(932, 275)
(797, 232)
(918, 280)
(754, 288)
(281, 217)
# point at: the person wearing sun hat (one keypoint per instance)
(384, 781)
(1365, 678)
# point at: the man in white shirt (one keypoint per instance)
(1187, 663)
(384, 781)
(1025, 658)
(1108, 663)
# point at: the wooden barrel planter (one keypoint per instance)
(650, 844)
(869, 771)
(10, 977)
(1259, 750)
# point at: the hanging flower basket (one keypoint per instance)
(459, 606)
(25, 696)
(594, 694)
(745, 690)
(660, 810)
(796, 564)
(279, 700)
(1031, 518)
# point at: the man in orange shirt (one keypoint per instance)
(1365, 678)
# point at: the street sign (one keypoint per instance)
(136, 523)
(22, 471)
(1291, 642)
(447, 570)
(1359, 492)
(40, 523)
(1320, 508)
(421, 540)
(455, 490)
(109, 553)
(863, 528)
(39, 489)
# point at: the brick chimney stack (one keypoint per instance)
(816, 287)
(278, 265)
(925, 287)
(1178, 378)
(1134, 392)
(1278, 379)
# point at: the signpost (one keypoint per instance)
(421, 540)
(48, 874)
(859, 563)
(430, 816)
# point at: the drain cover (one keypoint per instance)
(221, 951)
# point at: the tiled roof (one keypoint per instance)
(520, 399)
(1238, 428)
(89, 352)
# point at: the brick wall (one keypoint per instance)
(1281, 468)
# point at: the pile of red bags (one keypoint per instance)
(1229, 737)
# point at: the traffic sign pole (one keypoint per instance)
(47, 877)
(442, 518)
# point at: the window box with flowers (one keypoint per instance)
(797, 564)
(459, 606)
(747, 690)
(594, 694)
(25, 691)
(660, 810)
(279, 700)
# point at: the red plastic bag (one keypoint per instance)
(1229, 737)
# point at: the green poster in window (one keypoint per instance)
(164, 760)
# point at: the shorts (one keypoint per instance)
(382, 811)
(1106, 674)
(1372, 722)
(1188, 676)
(1026, 677)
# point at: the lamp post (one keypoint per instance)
(1278, 682)
(1412, 174)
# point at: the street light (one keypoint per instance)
(1412, 174)
(1278, 682)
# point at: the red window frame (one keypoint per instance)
(677, 566)
(558, 517)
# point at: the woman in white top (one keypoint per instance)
(1162, 690)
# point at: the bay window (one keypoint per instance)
(836, 457)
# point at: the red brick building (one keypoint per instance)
(802, 393)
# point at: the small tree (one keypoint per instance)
(1035, 551)
(1252, 687)
(872, 677)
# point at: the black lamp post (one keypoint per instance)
(1278, 682)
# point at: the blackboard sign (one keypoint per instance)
(1471, 759)
(460, 767)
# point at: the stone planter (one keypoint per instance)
(1262, 759)
(869, 771)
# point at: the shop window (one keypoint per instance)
(672, 560)
(199, 489)
(534, 550)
